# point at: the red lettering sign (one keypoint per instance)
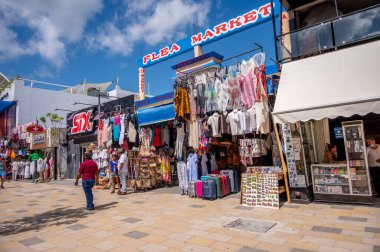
(220, 28)
(175, 48)
(81, 123)
(164, 52)
(250, 17)
(265, 10)
(235, 23)
(208, 34)
(146, 58)
(195, 39)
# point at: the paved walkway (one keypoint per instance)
(50, 217)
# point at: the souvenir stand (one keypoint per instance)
(304, 99)
(154, 165)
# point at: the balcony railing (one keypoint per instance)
(330, 35)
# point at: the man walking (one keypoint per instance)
(123, 171)
(88, 170)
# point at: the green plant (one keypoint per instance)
(55, 120)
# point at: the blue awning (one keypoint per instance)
(4, 105)
(156, 114)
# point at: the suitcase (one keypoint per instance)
(191, 189)
(198, 188)
(204, 178)
(218, 182)
(228, 185)
(230, 174)
(224, 183)
(209, 189)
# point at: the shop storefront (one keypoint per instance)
(320, 87)
(154, 164)
(86, 130)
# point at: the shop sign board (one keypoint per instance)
(38, 140)
(240, 23)
(142, 83)
(338, 132)
(82, 122)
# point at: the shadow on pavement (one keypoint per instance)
(56, 217)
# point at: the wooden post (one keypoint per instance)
(284, 167)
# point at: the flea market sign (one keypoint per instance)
(240, 23)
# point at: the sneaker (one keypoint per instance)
(113, 191)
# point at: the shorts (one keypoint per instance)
(2, 174)
(114, 174)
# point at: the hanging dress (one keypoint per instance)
(157, 136)
(165, 169)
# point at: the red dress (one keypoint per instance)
(157, 136)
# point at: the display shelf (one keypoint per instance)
(326, 184)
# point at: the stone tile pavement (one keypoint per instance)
(50, 217)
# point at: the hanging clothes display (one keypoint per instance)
(181, 103)
(165, 135)
(179, 142)
(182, 175)
(157, 136)
(192, 166)
(165, 169)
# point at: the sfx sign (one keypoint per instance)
(82, 123)
(254, 17)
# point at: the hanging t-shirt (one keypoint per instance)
(214, 122)
(223, 125)
(231, 121)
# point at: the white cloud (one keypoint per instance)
(44, 72)
(52, 24)
(149, 21)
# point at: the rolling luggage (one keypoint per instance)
(204, 178)
(228, 185)
(198, 188)
(230, 174)
(209, 189)
(224, 184)
(191, 189)
(218, 182)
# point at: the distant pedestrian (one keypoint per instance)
(3, 174)
(123, 170)
(88, 170)
(113, 171)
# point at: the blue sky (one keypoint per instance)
(66, 42)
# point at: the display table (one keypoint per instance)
(337, 183)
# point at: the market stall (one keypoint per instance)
(306, 93)
(154, 165)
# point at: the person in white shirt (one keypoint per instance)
(123, 170)
(373, 153)
(14, 170)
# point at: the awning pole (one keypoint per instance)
(284, 167)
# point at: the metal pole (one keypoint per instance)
(99, 104)
(336, 9)
(274, 31)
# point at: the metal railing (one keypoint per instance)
(330, 35)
